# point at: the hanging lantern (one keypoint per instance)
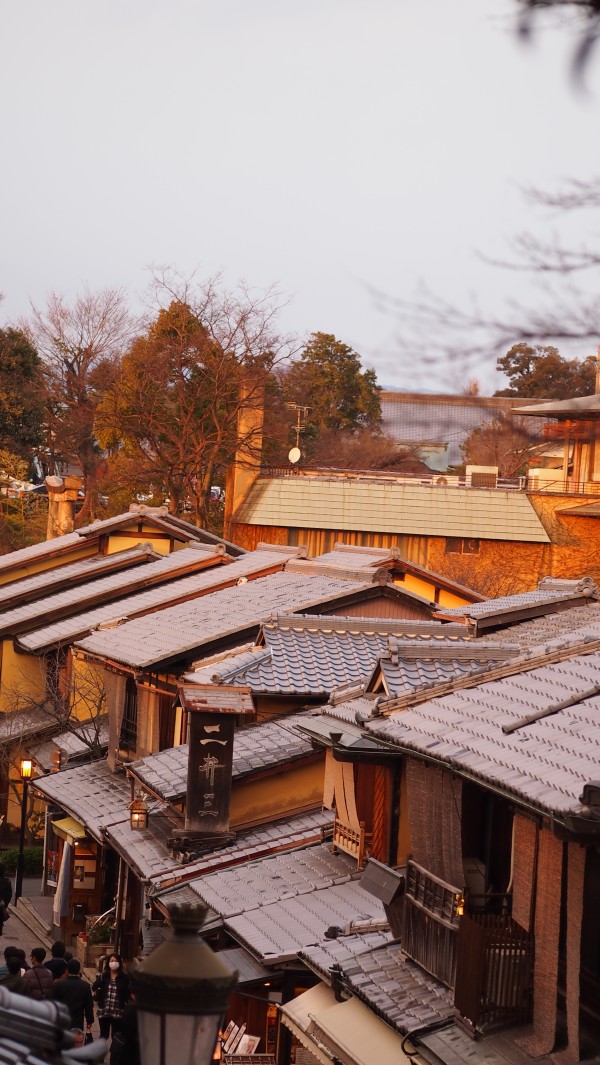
(138, 815)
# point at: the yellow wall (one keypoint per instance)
(290, 791)
(160, 544)
(23, 678)
(87, 693)
(40, 565)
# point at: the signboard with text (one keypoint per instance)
(210, 763)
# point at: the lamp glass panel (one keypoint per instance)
(176, 1038)
(26, 768)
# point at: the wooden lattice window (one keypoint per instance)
(128, 737)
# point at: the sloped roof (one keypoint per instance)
(391, 505)
(195, 585)
(90, 793)
(182, 631)
(85, 569)
(342, 950)
(545, 763)
(410, 666)
(398, 989)
(71, 745)
(258, 747)
(550, 595)
(106, 590)
(249, 845)
(582, 406)
(344, 554)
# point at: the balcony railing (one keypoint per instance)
(493, 973)
(356, 842)
(431, 922)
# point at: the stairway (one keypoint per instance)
(36, 913)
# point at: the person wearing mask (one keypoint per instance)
(76, 994)
(5, 895)
(112, 992)
(38, 977)
(13, 981)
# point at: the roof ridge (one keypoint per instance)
(359, 624)
(531, 659)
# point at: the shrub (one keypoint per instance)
(33, 860)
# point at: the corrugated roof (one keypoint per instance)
(184, 629)
(546, 763)
(106, 590)
(197, 584)
(90, 793)
(392, 506)
(258, 747)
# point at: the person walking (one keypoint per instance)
(38, 977)
(5, 895)
(13, 981)
(57, 964)
(112, 992)
(76, 994)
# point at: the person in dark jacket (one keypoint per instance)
(5, 895)
(76, 994)
(57, 964)
(38, 977)
(13, 981)
(112, 993)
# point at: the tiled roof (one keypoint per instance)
(85, 569)
(349, 555)
(543, 630)
(546, 762)
(391, 505)
(146, 851)
(71, 745)
(342, 950)
(397, 989)
(264, 746)
(197, 584)
(21, 724)
(90, 793)
(408, 667)
(107, 590)
(183, 630)
(36, 551)
(279, 931)
(549, 594)
(253, 844)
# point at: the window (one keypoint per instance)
(128, 737)
(458, 545)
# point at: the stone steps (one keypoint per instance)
(35, 921)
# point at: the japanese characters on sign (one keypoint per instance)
(209, 772)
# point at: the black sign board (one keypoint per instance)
(209, 772)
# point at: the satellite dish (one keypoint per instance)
(294, 455)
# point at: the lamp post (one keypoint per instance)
(26, 769)
(182, 990)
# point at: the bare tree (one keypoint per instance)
(81, 345)
(506, 442)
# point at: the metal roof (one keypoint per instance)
(257, 747)
(194, 585)
(181, 631)
(547, 762)
(370, 504)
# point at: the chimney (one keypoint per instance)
(245, 467)
(62, 497)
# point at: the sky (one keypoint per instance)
(331, 147)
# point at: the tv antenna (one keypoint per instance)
(301, 415)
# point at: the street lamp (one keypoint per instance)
(138, 815)
(182, 990)
(25, 769)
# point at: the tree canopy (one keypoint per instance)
(329, 379)
(21, 393)
(540, 372)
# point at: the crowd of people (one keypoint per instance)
(61, 979)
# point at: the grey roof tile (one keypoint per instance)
(546, 762)
(184, 629)
(90, 793)
(198, 584)
(73, 573)
(264, 746)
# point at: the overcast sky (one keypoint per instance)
(329, 146)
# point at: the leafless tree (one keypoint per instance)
(81, 344)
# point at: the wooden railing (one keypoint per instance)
(493, 973)
(355, 842)
(431, 920)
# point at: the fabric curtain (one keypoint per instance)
(60, 907)
(434, 814)
(575, 884)
(329, 781)
(525, 839)
(115, 700)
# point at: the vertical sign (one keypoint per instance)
(209, 772)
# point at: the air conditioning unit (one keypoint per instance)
(540, 480)
(481, 476)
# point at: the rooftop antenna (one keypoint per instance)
(301, 415)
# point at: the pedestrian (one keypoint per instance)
(125, 1047)
(5, 895)
(76, 994)
(38, 977)
(13, 981)
(112, 992)
(56, 963)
